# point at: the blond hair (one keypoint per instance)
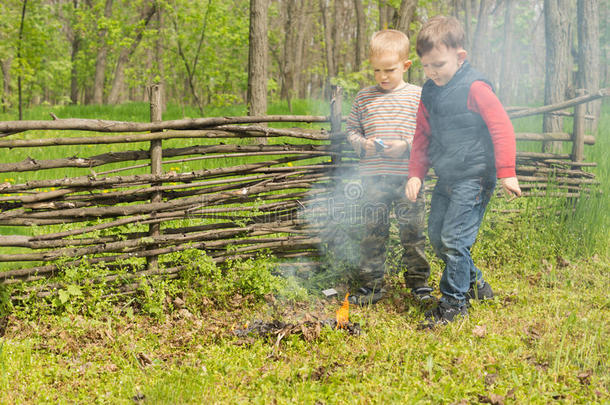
(440, 30)
(389, 41)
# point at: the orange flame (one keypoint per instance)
(343, 313)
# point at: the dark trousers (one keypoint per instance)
(381, 195)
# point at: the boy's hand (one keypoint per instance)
(395, 149)
(369, 147)
(511, 187)
(412, 188)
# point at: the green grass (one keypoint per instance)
(589, 223)
(543, 339)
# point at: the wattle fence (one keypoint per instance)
(231, 186)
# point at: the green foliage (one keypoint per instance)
(352, 82)
(83, 290)
(152, 295)
(80, 290)
(6, 305)
(203, 281)
(220, 75)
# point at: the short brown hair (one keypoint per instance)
(440, 30)
(390, 41)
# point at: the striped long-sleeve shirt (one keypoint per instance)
(387, 116)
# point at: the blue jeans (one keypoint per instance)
(456, 211)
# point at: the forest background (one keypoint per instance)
(55, 52)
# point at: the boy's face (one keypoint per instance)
(389, 70)
(441, 63)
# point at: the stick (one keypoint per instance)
(92, 181)
(551, 136)
(225, 151)
(80, 124)
(559, 106)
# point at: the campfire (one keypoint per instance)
(343, 314)
(309, 328)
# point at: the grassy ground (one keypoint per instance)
(543, 339)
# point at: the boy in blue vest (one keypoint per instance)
(380, 127)
(464, 133)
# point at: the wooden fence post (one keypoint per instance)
(578, 132)
(336, 99)
(156, 168)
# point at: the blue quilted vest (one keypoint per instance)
(460, 144)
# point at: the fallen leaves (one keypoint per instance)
(480, 331)
(309, 328)
(144, 359)
(494, 399)
(541, 365)
(323, 371)
(585, 377)
(490, 379)
(534, 331)
(563, 262)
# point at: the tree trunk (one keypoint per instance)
(126, 53)
(589, 66)
(556, 25)
(467, 24)
(5, 65)
(360, 35)
(505, 82)
(101, 58)
(303, 34)
(338, 28)
(76, 40)
(257, 58)
(331, 69)
(386, 13)
(74, 71)
(291, 27)
(159, 59)
(19, 76)
(455, 4)
(405, 15)
(480, 43)
(292, 55)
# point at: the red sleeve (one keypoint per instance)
(482, 100)
(419, 163)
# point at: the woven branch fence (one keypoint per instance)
(222, 191)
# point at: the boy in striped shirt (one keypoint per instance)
(380, 128)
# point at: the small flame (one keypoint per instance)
(343, 313)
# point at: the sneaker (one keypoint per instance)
(423, 296)
(442, 314)
(366, 296)
(479, 291)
